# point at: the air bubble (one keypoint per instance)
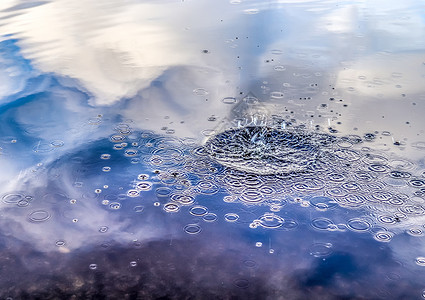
(93, 266)
(163, 191)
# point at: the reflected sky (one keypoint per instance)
(284, 138)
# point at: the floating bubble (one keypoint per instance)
(192, 229)
(93, 266)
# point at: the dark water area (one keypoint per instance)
(212, 150)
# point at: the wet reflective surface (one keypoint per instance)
(212, 149)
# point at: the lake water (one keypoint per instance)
(212, 149)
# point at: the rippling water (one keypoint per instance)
(212, 149)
